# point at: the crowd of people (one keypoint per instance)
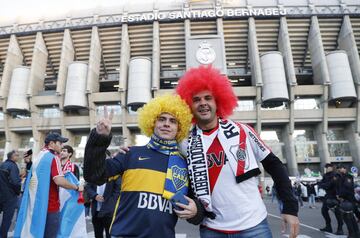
(342, 197)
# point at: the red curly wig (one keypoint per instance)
(208, 78)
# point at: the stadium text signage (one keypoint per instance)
(211, 13)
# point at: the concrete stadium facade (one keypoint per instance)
(57, 75)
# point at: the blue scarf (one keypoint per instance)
(176, 174)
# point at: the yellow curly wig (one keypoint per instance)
(172, 104)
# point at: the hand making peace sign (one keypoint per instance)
(103, 127)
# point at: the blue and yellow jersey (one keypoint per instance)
(141, 211)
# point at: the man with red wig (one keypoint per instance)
(223, 158)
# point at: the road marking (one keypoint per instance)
(298, 236)
(327, 234)
(301, 224)
(177, 235)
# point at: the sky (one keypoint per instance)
(27, 11)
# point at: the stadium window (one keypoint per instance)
(50, 112)
(305, 143)
(337, 143)
(100, 109)
(307, 103)
(245, 105)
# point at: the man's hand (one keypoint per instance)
(189, 211)
(292, 222)
(99, 198)
(123, 149)
(103, 127)
(81, 188)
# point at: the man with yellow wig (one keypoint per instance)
(151, 174)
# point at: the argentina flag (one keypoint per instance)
(72, 213)
(31, 218)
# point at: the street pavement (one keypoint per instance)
(310, 222)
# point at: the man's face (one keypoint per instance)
(15, 156)
(342, 170)
(204, 107)
(329, 169)
(64, 154)
(166, 126)
(27, 159)
(56, 146)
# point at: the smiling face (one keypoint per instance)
(166, 126)
(204, 110)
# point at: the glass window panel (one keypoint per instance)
(303, 135)
(335, 134)
(306, 103)
(283, 106)
(1, 116)
(117, 140)
(52, 112)
(27, 141)
(115, 108)
(21, 115)
(305, 150)
(339, 149)
(80, 141)
(245, 105)
(269, 136)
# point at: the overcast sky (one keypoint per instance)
(25, 11)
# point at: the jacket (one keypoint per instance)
(111, 195)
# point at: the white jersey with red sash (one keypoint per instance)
(68, 167)
(232, 151)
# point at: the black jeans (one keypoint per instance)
(100, 224)
(8, 209)
(325, 214)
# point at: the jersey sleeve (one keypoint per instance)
(116, 165)
(259, 148)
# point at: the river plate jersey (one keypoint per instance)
(238, 206)
(141, 210)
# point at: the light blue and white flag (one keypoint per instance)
(72, 213)
(31, 218)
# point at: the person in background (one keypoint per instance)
(10, 187)
(67, 165)
(39, 214)
(346, 196)
(28, 163)
(329, 185)
(103, 203)
(298, 192)
(310, 188)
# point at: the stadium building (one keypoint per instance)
(294, 65)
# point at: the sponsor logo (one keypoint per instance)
(143, 158)
(217, 160)
(154, 202)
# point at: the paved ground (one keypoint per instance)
(310, 219)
